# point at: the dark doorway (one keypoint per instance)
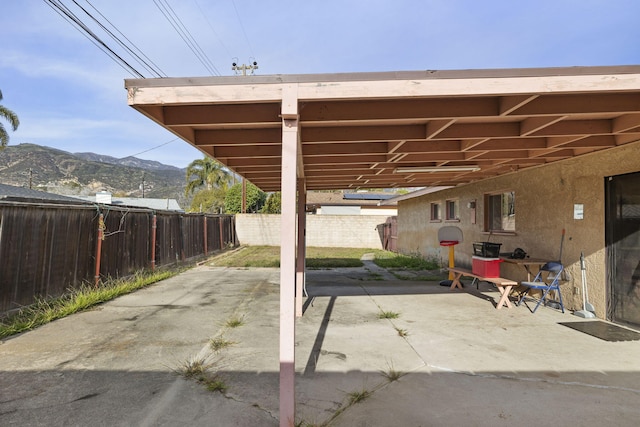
(623, 248)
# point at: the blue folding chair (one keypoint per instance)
(547, 280)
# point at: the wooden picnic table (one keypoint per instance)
(504, 285)
(526, 263)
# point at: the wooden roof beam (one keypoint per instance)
(431, 146)
(576, 127)
(328, 160)
(248, 151)
(219, 114)
(510, 144)
(344, 149)
(238, 136)
(588, 103)
(394, 109)
(534, 124)
(362, 133)
(434, 127)
(626, 122)
(480, 130)
(508, 104)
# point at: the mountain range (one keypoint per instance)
(60, 172)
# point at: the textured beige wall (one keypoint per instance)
(545, 198)
(341, 231)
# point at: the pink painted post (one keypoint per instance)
(288, 255)
(302, 242)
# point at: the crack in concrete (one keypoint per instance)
(533, 379)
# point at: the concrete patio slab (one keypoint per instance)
(464, 362)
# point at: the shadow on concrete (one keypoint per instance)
(483, 398)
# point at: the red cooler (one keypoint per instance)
(486, 267)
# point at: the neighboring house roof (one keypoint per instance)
(20, 194)
(154, 204)
(417, 193)
(347, 199)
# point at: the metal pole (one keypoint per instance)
(205, 235)
(101, 228)
(154, 228)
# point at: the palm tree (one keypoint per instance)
(12, 118)
(206, 172)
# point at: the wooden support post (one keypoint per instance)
(288, 255)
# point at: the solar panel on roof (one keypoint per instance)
(366, 196)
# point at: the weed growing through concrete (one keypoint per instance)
(235, 322)
(197, 368)
(388, 315)
(402, 332)
(219, 343)
(215, 384)
(391, 374)
(194, 367)
(358, 396)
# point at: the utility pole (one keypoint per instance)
(242, 69)
(30, 178)
(143, 184)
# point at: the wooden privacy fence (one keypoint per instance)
(46, 249)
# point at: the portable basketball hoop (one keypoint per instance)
(450, 236)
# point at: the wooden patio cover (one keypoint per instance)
(379, 130)
(360, 130)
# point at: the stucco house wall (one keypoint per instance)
(544, 206)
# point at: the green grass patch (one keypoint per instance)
(316, 258)
(250, 256)
(388, 315)
(418, 278)
(398, 261)
(47, 310)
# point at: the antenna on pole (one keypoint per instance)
(241, 70)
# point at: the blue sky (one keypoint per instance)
(70, 95)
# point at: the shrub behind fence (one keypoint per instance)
(46, 249)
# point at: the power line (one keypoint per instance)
(138, 54)
(152, 148)
(67, 14)
(186, 35)
(212, 29)
(242, 27)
